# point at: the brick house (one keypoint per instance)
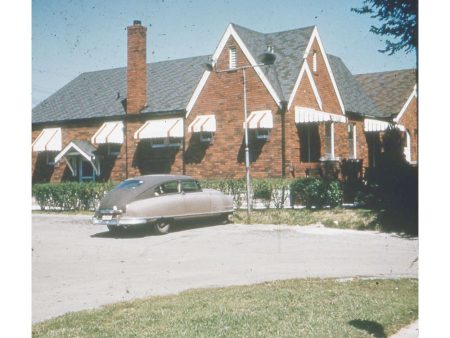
(395, 95)
(306, 113)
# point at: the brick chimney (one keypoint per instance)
(136, 68)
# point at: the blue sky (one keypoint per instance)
(72, 37)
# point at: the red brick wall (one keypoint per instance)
(305, 97)
(330, 103)
(136, 68)
(142, 159)
(222, 96)
(409, 120)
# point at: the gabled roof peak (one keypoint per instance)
(277, 32)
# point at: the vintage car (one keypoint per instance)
(160, 200)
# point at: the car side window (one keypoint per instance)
(167, 188)
(190, 186)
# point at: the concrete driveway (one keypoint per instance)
(78, 266)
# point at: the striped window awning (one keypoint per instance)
(371, 125)
(203, 123)
(48, 140)
(160, 129)
(109, 132)
(309, 115)
(261, 119)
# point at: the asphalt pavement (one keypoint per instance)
(80, 266)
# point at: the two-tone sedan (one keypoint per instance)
(160, 200)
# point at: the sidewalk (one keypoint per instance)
(410, 331)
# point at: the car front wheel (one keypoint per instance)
(162, 227)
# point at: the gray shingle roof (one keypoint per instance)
(171, 84)
(388, 90)
(289, 47)
(100, 93)
(354, 98)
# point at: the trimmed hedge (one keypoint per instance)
(272, 192)
(317, 192)
(234, 187)
(70, 195)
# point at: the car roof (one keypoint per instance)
(151, 180)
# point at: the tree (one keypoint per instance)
(399, 20)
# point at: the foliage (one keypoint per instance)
(344, 218)
(300, 307)
(317, 192)
(233, 187)
(272, 191)
(393, 186)
(398, 20)
(69, 195)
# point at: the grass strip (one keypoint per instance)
(291, 308)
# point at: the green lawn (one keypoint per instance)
(293, 308)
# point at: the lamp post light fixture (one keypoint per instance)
(266, 59)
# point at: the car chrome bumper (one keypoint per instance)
(121, 222)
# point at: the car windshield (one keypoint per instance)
(129, 184)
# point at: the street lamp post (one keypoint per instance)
(266, 59)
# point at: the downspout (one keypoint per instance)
(126, 148)
(283, 137)
(184, 144)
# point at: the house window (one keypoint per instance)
(351, 140)
(162, 142)
(50, 157)
(87, 173)
(329, 141)
(309, 142)
(314, 61)
(232, 61)
(262, 134)
(206, 136)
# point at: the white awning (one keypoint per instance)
(371, 125)
(261, 119)
(109, 132)
(309, 115)
(203, 123)
(48, 140)
(160, 129)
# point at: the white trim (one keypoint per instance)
(314, 61)
(67, 148)
(315, 34)
(197, 92)
(305, 69)
(407, 148)
(331, 138)
(82, 153)
(353, 127)
(309, 115)
(230, 31)
(405, 106)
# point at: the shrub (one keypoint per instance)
(233, 187)
(69, 195)
(315, 191)
(263, 189)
